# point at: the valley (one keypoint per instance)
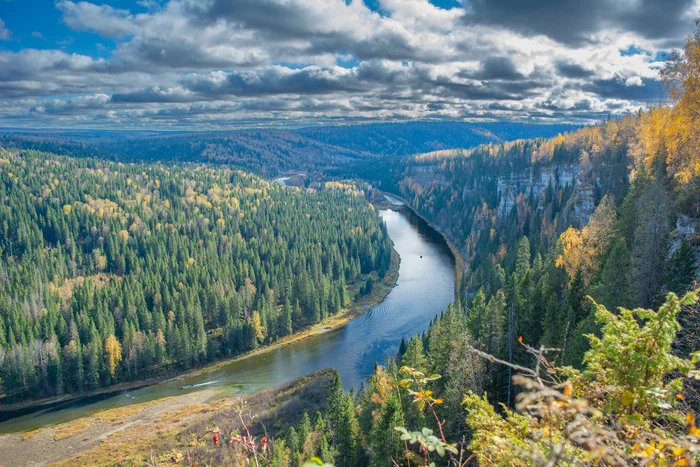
(349, 233)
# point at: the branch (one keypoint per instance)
(493, 359)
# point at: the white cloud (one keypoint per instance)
(5, 34)
(214, 62)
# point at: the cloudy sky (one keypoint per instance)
(206, 64)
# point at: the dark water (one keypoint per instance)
(424, 289)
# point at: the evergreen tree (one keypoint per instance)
(385, 441)
(614, 287)
(681, 270)
(414, 356)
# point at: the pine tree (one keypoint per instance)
(614, 287)
(325, 453)
(402, 346)
(292, 440)
(385, 441)
(522, 264)
(414, 356)
(346, 436)
(304, 428)
(334, 409)
(681, 270)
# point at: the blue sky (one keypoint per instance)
(223, 64)
(26, 18)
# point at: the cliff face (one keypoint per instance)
(533, 185)
(686, 228)
(587, 183)
(475, 204)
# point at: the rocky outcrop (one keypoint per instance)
(534, 183)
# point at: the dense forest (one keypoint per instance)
(112, 272)
(574, 339)
(544, 223)
(270, 152)
(410, 138)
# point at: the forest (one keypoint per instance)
(574, 338)
(270, 152)
(113, 272)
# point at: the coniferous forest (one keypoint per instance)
(573, 340)
(115, 272)
(130, 256)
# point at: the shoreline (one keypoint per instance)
(456, 252)
(353, 310)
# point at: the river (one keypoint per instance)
(424, 289)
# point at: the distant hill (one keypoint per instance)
(263, 151)
(270, 151)
(400, 139)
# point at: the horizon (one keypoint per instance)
(213, 65)
(9, 130)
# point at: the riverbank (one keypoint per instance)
(49, 445)
(379, 292)
(456, 252)
(155, 432)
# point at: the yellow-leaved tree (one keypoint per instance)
(678, 130)
(581, 249)
(113, 353)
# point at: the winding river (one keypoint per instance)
(424, 289)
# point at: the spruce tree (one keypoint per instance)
(681, 268)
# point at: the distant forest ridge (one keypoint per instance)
(270, 151)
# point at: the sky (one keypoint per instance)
(219, 64)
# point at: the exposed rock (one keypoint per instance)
(580, 206)
(533, 184)
(686, 228)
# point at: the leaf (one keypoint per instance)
(315, 461)
(627, 398)
(567, 389)
(689, 299)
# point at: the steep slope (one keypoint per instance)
(112, 272)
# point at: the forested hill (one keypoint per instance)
(266, 152)
(610, 211)
(411, 138)
(575, 338)
(269, 152)
(110, 272)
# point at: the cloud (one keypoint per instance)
(576, 22)
(71, 106)
(222, 63)
(102, 19)
(276, 80)
(37, 35)
(5, 34)
(621, 88)
(573, 70)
